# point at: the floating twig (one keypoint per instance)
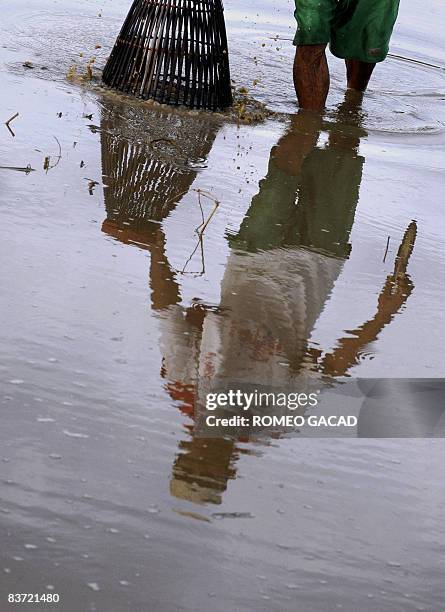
(26, 169)
(387, 247)
(200, 243)
(9, 121)
(201, 228)
(12, 118)
(59, 156)
(46, 164)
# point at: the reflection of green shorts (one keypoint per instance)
(355, 29)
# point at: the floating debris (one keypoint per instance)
(9, 121)
(73, 434)
(233, 515)
(46, 164)
(193, 515)
(27, 169)
(91, 185)
(72, 72)
(89, 69)
(246, 109)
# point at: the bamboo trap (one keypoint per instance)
(174, 52)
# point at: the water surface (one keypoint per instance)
(113, 314)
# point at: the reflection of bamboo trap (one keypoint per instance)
(173, 52)
(143, 187)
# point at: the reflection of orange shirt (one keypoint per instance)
(184, 394)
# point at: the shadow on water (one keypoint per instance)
(282, 267)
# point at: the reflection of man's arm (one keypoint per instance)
(164, 288)
(299, 140)
(394, 294)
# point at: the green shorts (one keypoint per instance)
(355, 29)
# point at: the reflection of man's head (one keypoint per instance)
(202, 469)
(294, 214)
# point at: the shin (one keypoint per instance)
(311, 76)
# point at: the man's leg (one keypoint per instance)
(362, 30)
(311, 76)
(358, 74)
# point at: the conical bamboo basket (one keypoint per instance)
(174, 52)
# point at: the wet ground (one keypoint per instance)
(113, 313)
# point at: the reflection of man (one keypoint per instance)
(358, 31)
(283, 264)
(286, 258)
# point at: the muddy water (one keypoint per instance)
(113, 312)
